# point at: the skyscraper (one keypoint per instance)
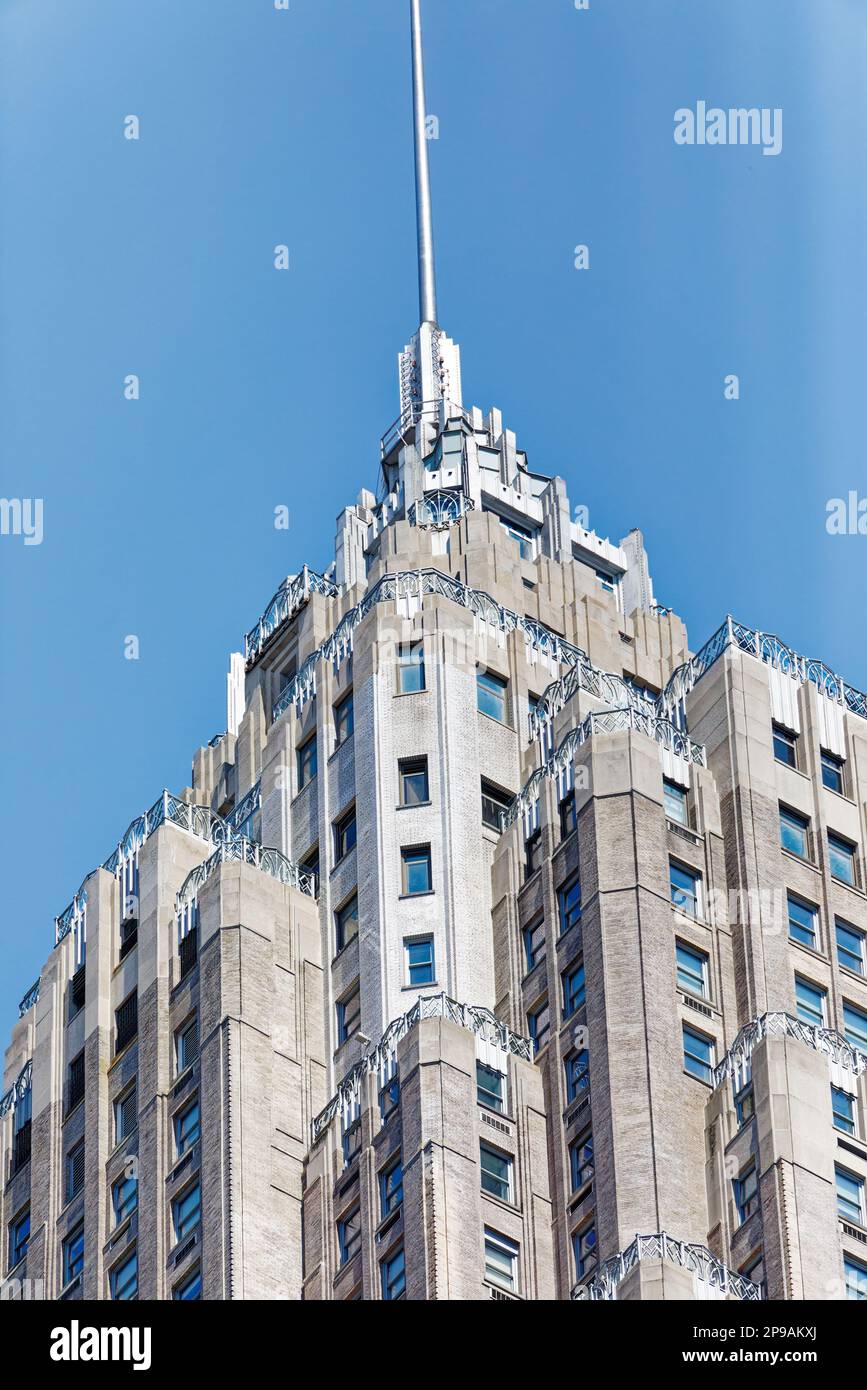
(499, 948)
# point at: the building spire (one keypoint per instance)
(427, 290)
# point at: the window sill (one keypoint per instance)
(513, 1207)
(411, 897)
(405, 694)
(799, 859)
(342, 860)
(500, 723)
(852, 974)
(811, 951)
(412, 805)
(853, 887)
(431, 984)
(708, 1085)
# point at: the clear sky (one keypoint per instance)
(261, 388)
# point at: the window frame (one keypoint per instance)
(812, 931)
(577, 1075)
(492, 693)
(413, 661)
(503, 1245)
(703, 961)
(122, 1131)
(674, 795)
(785, 739)
(498, 1102)
(803, 986)
(860, 956)
(426, 964)
(500, 801)
(391, 1193)
(15, 1253)
(569, 913)
(72, 1255)
(185, 1142)
(846, 851)
(349, 1240)
(407, 770)
(410, 857)
(182, 1225)
(574, 997)
(702, 1065)
(493, 1184)
(342, 733)
(390, 1281)
(348, 1022)
(345, 831)
(307, 762)
(129, 1257)
(846, 1204)
(342, 915)
(745, 1191)
(534, 955)
(121, 1205)
(834, 767)
(182, 1033)
(795, 821)
(73, 1155)
(848, 1113)
(580, 1160)
(539, 1038)
(681, 897)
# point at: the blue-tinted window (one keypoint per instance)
(569, 903)
(855, 1026)
(685, 889)
(810, 1001)
(124, 1279)
(850, 947)
(416, 868)
(420, 962)
(577, 1066)
(692, 970)
(394, 1277)
(843, 1108)
(794, 833)
(491, 694)
(842, 856)
(802, 921)
(785, 746)
(698, 1054)
(574, 993)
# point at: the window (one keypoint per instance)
(532, 853)
(123, 1279)
(76, 1082)
(19, 1237)
(306, 761)
(493, 802)
(414, 790)
(187, 1211)
(72, 1254)
(491, 694)
(393, 1272)
(785, 746)
(125, 1114)
(698, 1054)
(535, 943)
(349, 1014)
(574, 993)
(351, 1143)
(124, 1198)
(75, 1170)
(389, 1096)
(755, 1271)
(521, 534)
(569, 904)
(842, 856)
(186, 1044)
(832, 772)
(349, 1236)
(126, 1022)
(410, 669)
(795, 833)
(850, 947)
(539, 1024)
(692, 970)
(77, 993)
(22, 1130)
(606, 580)
(416, 870)
(746, 1193)
(745, 1104)
(390, 1188)
(344, 719)
(420, 968)
(490, 1087)
(190, 1288)
(496, 1172)
(803, 918)
(186, 1125)
(501, 1261)
(568, 814)
(577, 1066)
(346, 923)
(685, 889)
(581, 1161)
(344, 835)
(811, 1002)
(310, 865)
(850, 1196)
(843, 1109)
(675, 802)
(584, 1251)
(855, 1276)
(855, 1026)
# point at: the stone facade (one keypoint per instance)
(330, 1026)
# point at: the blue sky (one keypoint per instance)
(261, 388)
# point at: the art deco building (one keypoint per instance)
(500, 948)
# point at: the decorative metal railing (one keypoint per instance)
(768, 649)
(200, 821)
(415, 585)
(737, 1061)
(237, 849)
(437, 511)
(476, 1019)
(19, 1088)
(250, 803)
(30, 998)
(614, 690)
(662, 1246)
(610, 721)
(409, 418)
(293, 592)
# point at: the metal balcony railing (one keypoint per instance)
(737, 1063)
(718, 1281)
(289, 598)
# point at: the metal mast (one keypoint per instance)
(427, 290)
